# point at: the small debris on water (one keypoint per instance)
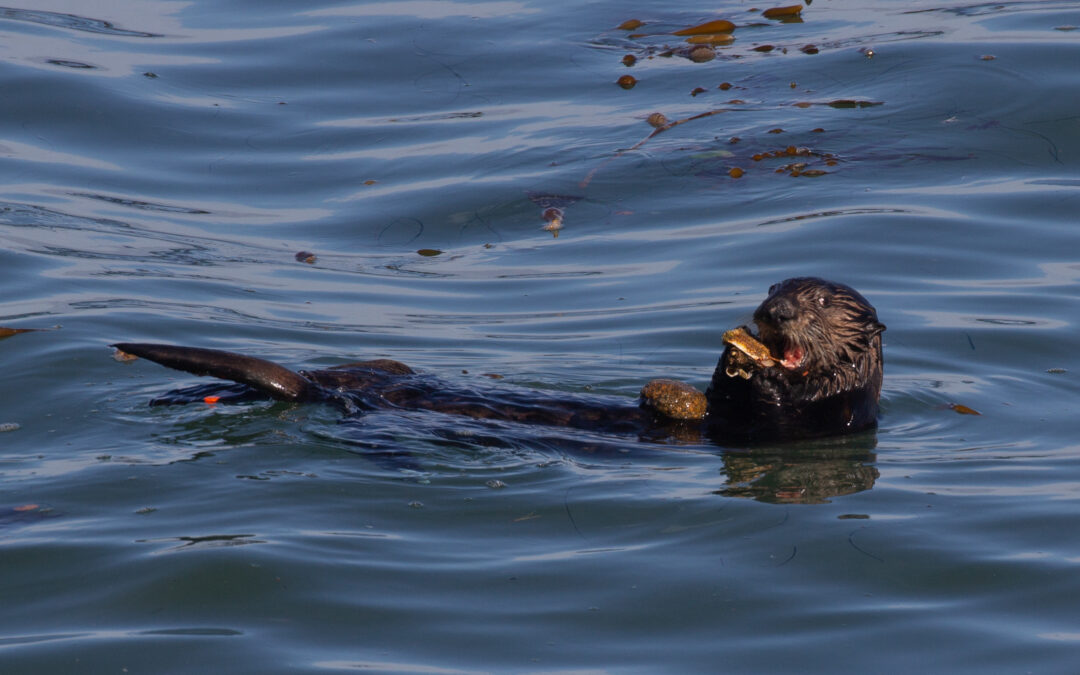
(702, 53)
(963, 409)
(9, 426)
(306, 257)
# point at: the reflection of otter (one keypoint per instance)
(803, 473)
(825, 379)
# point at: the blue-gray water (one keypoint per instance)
(162, 164)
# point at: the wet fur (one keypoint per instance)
(835, 390)
(836, 387)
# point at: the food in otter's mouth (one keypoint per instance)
(750, 352)
(753, 351)
(741, 339)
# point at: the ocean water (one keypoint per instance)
(164, 163)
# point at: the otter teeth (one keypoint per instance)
(793, 357)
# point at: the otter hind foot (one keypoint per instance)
(276, 381)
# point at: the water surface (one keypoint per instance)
(164, 162)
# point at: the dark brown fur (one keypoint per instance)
(831, 388)
(828, 339)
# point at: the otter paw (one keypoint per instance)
(674, 399)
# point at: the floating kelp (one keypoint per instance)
(8, 332)
(719, 39)
(963, 409)
(707, 28)
(851, 103)
(658, 130)
(782, 12)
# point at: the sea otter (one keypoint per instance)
(816, 371)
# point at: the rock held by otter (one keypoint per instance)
(816, 371)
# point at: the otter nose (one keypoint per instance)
(779, 309)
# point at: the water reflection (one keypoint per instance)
(802, 474)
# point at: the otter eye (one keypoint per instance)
(823, 301)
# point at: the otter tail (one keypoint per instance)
(276, 381)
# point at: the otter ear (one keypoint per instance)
(876, 329)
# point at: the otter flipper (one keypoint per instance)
(277, 381)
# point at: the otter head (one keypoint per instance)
(822, 330)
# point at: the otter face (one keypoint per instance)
(821, 329)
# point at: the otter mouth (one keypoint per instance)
(751, 351)
(794, 356)
(788, 353)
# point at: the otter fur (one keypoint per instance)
(827, 380)
(824, 379)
